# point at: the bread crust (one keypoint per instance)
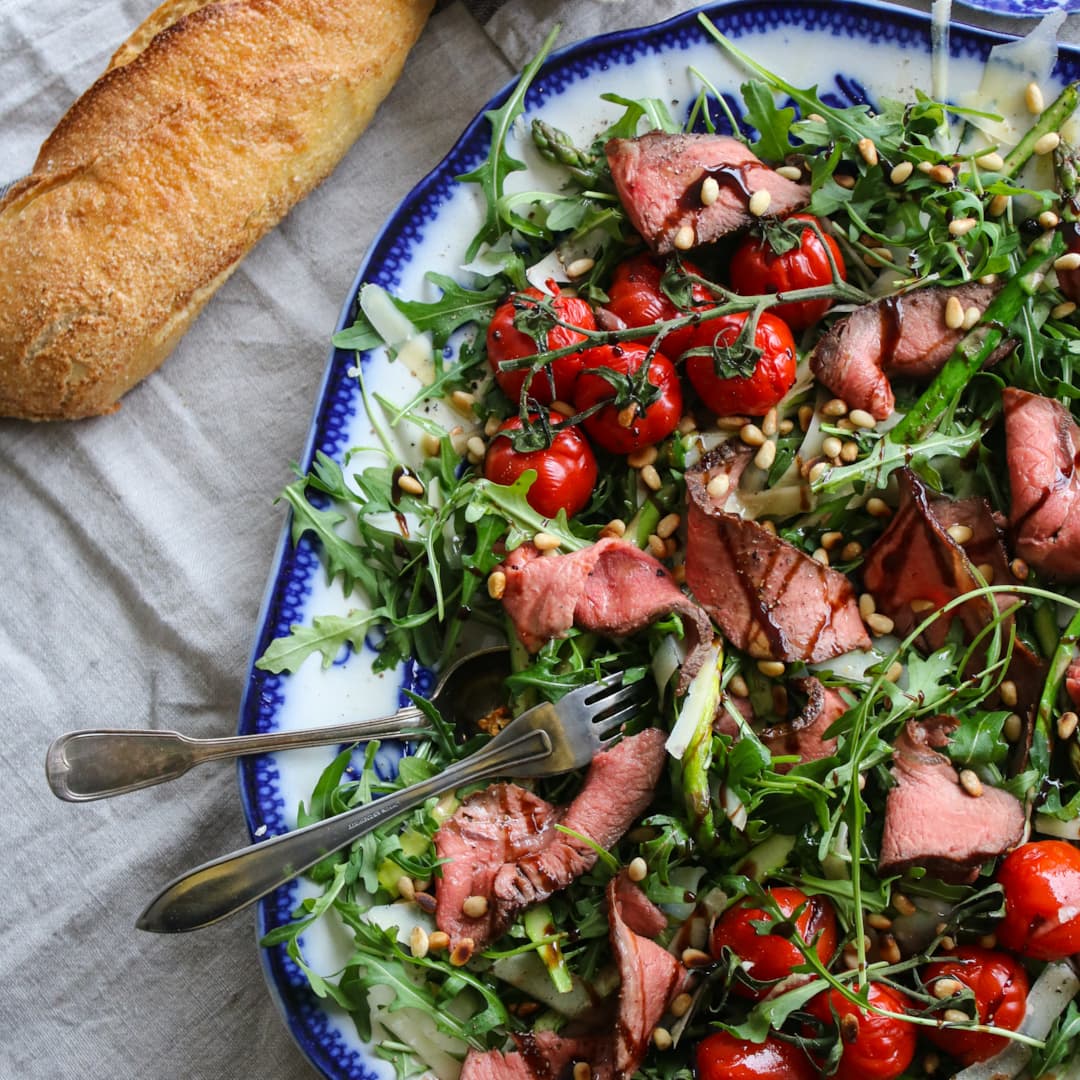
(210, 123)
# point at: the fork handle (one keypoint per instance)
(230, 883)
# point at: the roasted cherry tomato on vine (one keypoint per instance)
(722, 1056)
(1042, 900)
(635, 298)
(757, 269)
(506, 342)
(1000, 986)
(565, 470)
(751, 395)
(648, 418)
(875, 1047)
(768, 958)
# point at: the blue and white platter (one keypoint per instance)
(853, 51)
(1023, 9)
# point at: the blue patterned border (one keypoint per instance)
(293, 570)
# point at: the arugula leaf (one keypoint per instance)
(772, 124)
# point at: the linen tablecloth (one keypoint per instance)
(136, 549)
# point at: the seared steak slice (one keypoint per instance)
(650, 978)
(618, 787)
(502, 843)
(771, 600)
(1043, 450)
(658, 177)
(804, 735)
(930, 819)
(611, 588)
(916, 566)
(897, 337)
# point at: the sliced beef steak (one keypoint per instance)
(658, 177)
(611, 588)
(803, 736)
(502, 843)
(769, 598)
(1043, 451)
(931, 821)
(897, 337)
(917, 566)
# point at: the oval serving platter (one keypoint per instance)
(853, 51)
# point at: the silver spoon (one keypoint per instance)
(99, 763)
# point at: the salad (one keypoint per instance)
(769, 407)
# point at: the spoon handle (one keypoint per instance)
(225, 885)
(99, 763)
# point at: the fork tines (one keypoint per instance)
(614, 703)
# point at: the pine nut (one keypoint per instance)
(921, 606)
(651, 478)
(710, 191)
(972, 315)
(582, 1071)
(492, 424)
(408, 482)
(771, 669)
(878, 508)
(1013, 727)
(902, 904)
(849, 453)
(790, 172)
(476, 446)
(988, 941)
(850, 957)
(1047, 144)
(901, 172)
(820, 556)
(946, 988)
(986, 572)
(731, 423)
(681, 1005)
(867, 605)
(962, 534)
(425, 901)
(962, 226)
(1033, 98)
(684, 238)
(474, 907)
(662, 1039)
(1068, 261)
(406, 888)
(971, 783)
(878, 921)
(580, 267)
(844, 181)
(696, 958)
(831, 446)
(752, 435)
(817, 118)
(896, 669)
(849, 1027)
(954, 313)
(614, 528)
(1007, 693)
(544, 541)
(998, 205)
(786, 426)
(818, 471)
(638, 869)
(430, 445)
(992, 162)
(496, 584)
(462, 400)
(438, 940)
(868, 151)
(829, 540)
(718, 486)
(625, 417)
(1063, 310)
(657, 547)
(770, 422)
(647, 455)
(942, 174)
(852, 550)
(1066, 725)
(759, 202)
(890, 951)
(462, 952)
(955, 1016)
(738, 686)
(862, 419)
(1049, 220)
(668, 525)
(834, 407)
(880, 624)
(988, 279)
(419, 942)
(765, 457)
(686, 425)
(806, 414)
(925, 167)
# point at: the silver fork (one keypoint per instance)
(543, 741)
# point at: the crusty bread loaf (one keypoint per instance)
(211, 122)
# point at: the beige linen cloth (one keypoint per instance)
(136, 549)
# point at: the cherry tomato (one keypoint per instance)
(506, 342)
(753, 395)
(565, 471)
(770, 957)
(636, 299)
(1042, 900)
(875, 1047)
(1000, 985)
(722, 1056)
(646, 427)
(756, 269)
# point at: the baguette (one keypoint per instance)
(212, 120)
